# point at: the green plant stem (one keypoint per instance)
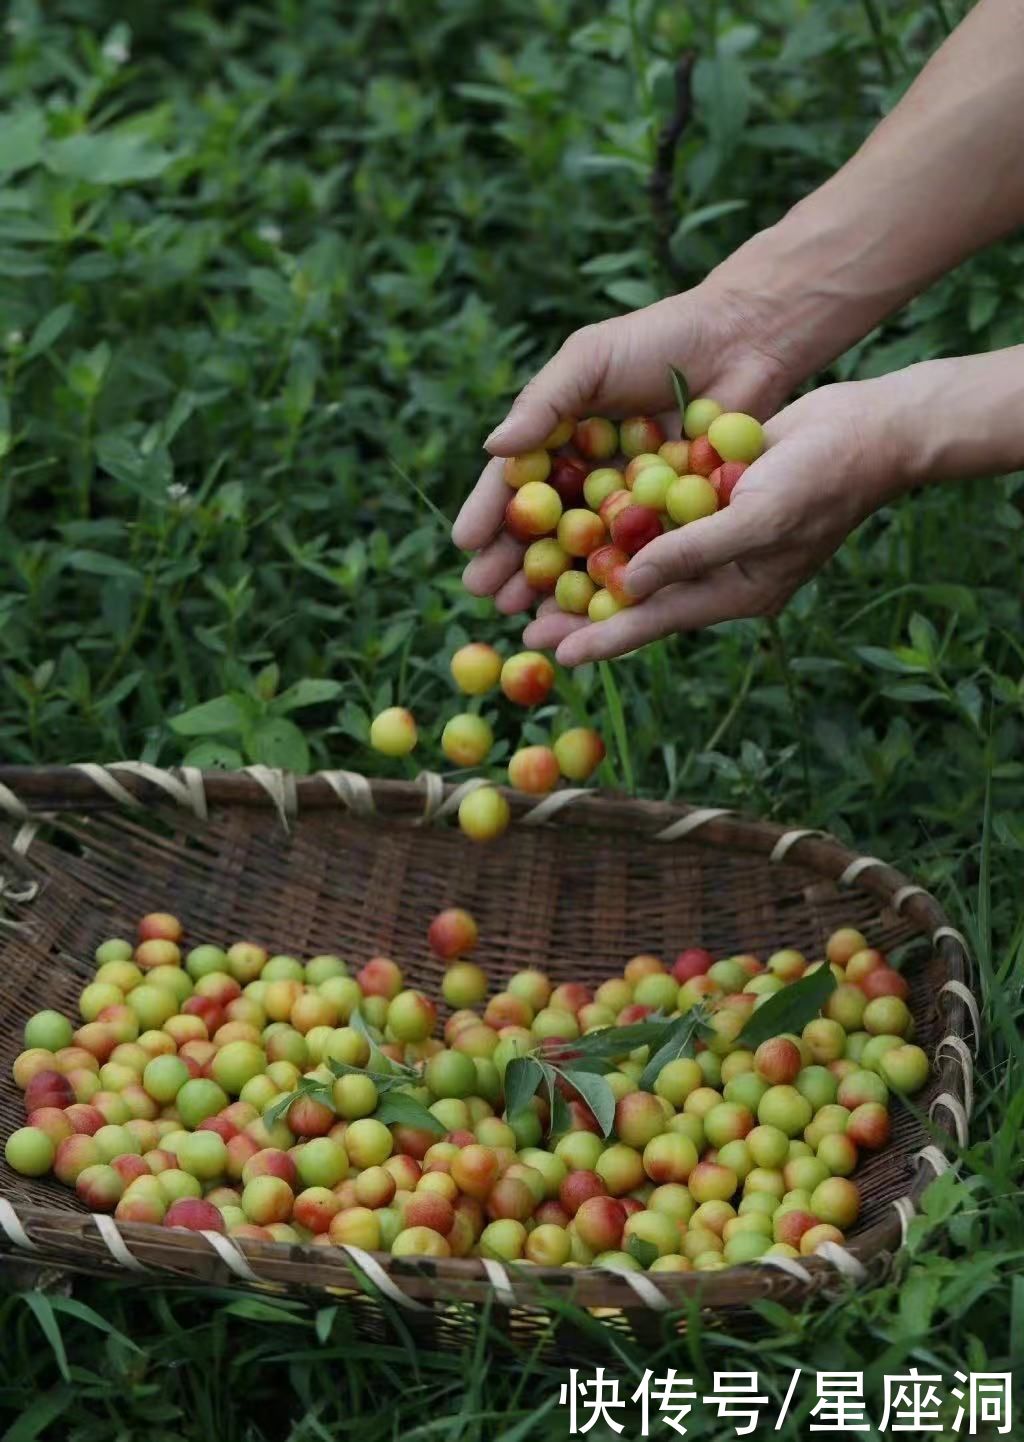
(782, 658)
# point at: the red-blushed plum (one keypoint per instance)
(530, 468)
(574, 591)
(637, 435)
(568, 477)
(545, 560)
(527, 678)
(533, 512)
(635, 527)
(534, 769)
(596, 438)
(393, 731)
(475, 668)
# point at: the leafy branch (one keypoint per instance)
(582, 1064)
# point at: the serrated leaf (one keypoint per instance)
(398, 1108)
(644, 1252)
(680, 1041)
(681, 390)
(523, 1076)
(789, 1009)
(596, 1093)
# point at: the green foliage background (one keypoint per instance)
(268, 274)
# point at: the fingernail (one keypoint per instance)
(495, 435)
(642, 581)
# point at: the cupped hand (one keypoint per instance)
(619, 368)
(830, 462)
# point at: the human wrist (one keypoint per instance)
(806, 285)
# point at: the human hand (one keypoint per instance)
(620, 368)
(833, 457)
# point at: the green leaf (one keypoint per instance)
(220, 714)
(214, 756)
(110, 158)
(97, 563)
(306, 693)
(680, 1041)
(635, 294)
(275, 741)
(609, 1041)
(644, 1252)
(523, 1076)
(307, 1087)
(40, 1304)
(681, 390)
(21, 140)
(696, 219)
(398, 1108)
(49, 329)
(789, 1009)
(597, 1094)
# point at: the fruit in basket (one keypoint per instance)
(724, 1156)
(48, 1030)
(30, 1151)
(393, 731)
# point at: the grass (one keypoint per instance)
(262, 296)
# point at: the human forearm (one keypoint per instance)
(939, 178)
(949, 420)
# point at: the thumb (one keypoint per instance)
(693, 550)
(559, 390)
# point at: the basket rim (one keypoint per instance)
(33, 795)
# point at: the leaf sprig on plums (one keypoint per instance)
(582, 1065)
(788, 1010)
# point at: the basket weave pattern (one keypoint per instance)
(335, 864)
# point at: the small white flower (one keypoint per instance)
(13, 339)
(116, 50)
(269, 231)
(178, 494)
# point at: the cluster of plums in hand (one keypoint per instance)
(526, 680)
(596, 493)
(236, 1092)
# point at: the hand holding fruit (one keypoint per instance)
(828, 464)
(619, 367)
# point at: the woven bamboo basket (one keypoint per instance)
(580, 882)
